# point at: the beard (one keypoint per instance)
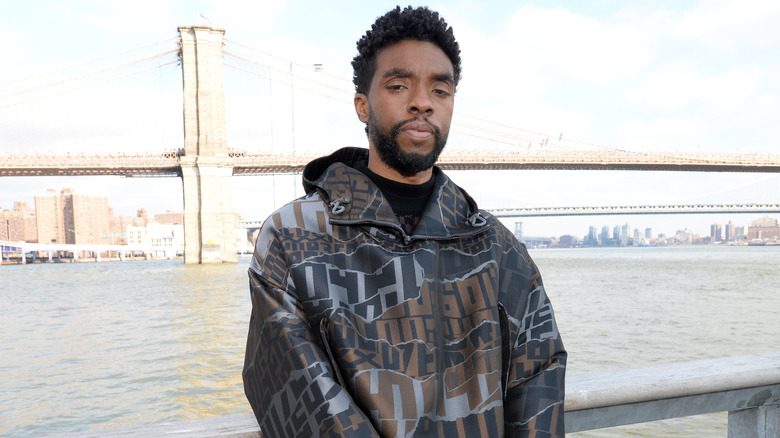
(389, 151)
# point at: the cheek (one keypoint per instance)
(444, 118)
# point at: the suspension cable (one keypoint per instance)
(90, 84)
(86, 75)
(88, 62)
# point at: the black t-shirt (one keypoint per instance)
(407, 200)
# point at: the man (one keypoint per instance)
(384, 302)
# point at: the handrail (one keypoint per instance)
(748, 387)
(734, 384)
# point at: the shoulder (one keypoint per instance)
(306, 213)
(300, 213)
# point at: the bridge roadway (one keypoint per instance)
(168, 163)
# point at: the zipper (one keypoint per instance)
(506, 347)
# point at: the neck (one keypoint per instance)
(380, 168)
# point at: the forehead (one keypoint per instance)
(418, 57)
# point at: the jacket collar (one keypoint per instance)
(354, 199)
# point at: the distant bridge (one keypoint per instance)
(610, 210)
(635, 209)
(169, 163)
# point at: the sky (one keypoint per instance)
(673, 76)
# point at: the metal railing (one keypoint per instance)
(747, 387)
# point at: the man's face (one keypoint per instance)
(409, 105)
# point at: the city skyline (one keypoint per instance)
(635, 222)
(688, 76)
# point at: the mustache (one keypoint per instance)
(397, 127)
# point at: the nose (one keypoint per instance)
(420, 102)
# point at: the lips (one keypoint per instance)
(418, 130)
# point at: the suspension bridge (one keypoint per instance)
(206, 165)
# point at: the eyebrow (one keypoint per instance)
(406, 73)
(398, 72)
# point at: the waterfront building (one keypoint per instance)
(165, 236)
(49, 220)
(716, 233)
(592, 239)
(624, 235)
(18, 224)
(170, 217)
(119, 225)
(648, 233)
(71, 218)
(740, 233)
(730, 232)
(765, 228)
(567, 241)
(604, 238)
(685, 236)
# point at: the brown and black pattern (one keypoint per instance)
(360, 329)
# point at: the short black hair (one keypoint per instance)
(420, 24)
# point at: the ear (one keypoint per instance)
(361, 107)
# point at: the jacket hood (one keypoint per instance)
(354, 199)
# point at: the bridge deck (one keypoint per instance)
(169, 163)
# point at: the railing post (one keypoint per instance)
(759, 422)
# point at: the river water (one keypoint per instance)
(90, 346)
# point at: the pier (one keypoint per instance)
(23, 253)
(747, 387)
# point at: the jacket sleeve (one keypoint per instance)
(287, 377)
(534, 395)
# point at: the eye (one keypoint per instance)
(441, 88)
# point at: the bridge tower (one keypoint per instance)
(206, 167)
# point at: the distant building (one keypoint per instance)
(170, 217)
(648, 233)
(567, 241)
(48, 217)
(592, 239)
(684, 236)
(604, 237)
(18, 224)
(71, 218)
(740, 233)
(624, 235)
(119, 225)
(715, 233)
(165, 236)
(765, 228)
(730, 232)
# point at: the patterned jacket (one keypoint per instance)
(360, 330)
